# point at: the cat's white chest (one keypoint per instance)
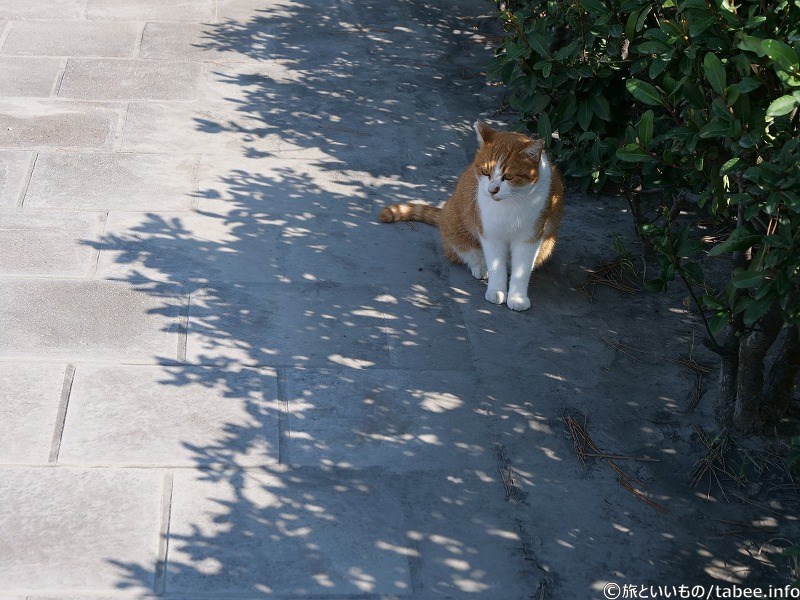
(514, 218)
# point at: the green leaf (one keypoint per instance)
(732, 165)
(715, 129)
(699, 22)
(712, 302)
(715, 73)
(751, 44)
(782, 106)
(748, 84)
(644, 92)
(747, 279)
(600, 106)
(655, 285)
(757, 309)
(718, 321)
(632, 153)
(782, 53)
(741, 239)
(543, 127)
(584, 115)
(646, 128)
(538, 43)
(594, 6)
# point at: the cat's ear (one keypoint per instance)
(535, 150)
(485, 133)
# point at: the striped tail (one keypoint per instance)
(411, 212)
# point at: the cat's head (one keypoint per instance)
(506, 162)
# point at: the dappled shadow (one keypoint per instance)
(387, 431)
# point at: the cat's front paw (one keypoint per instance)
(495, 296)
(479, 272)
(519, 302)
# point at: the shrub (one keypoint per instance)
(696, 102)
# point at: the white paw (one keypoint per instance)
(519, 302)
(479, 272)
(495, 296)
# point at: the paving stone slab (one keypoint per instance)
(53, 244)
(427, 330)
(189, 417)
(125, 79)
(31, 393)
(67, 530)
(465, 540)
(220, 42)
(71, 38)
(398, 420)
(197, 248)
(193, 127)
(42, 9)
(28, 76)
(151, 10)
(286, 532)
(13, 175)
(287, 324)
(136, 182)
(32, 124)
(80, 320)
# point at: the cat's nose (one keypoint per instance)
(493, 191)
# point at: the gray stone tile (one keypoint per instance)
(69, 530)
(287, 324)
(32, 124)
(179, 416)
(398, 420)
(151, 10)
(427, 329)
(125, 79)
(287, 532)
(465, 541)
(71, 38)
(200, 248)
(82, 181)
(221, 42)
(191, 127)
(79, 320)
(13, 173)
(42, 9)
(31, 393)
(26, 76)
(53, 244)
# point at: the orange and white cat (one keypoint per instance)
(507, 206)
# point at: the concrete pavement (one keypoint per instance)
(221, 377)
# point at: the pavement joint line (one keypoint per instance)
(4, 34)
(95, 256)
(61, 415)
(119, 128)
(139, 38)
(215, 12)
(194, 204)
(284, 428)
(28, 175)
(160, 580)
(183, 329)
(62, 70)
(61, 79)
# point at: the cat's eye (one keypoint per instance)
(506, 177)
(485, 172)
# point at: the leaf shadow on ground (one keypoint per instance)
(377, 395)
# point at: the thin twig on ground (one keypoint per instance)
(581, 441)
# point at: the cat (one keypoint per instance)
(508, 204)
